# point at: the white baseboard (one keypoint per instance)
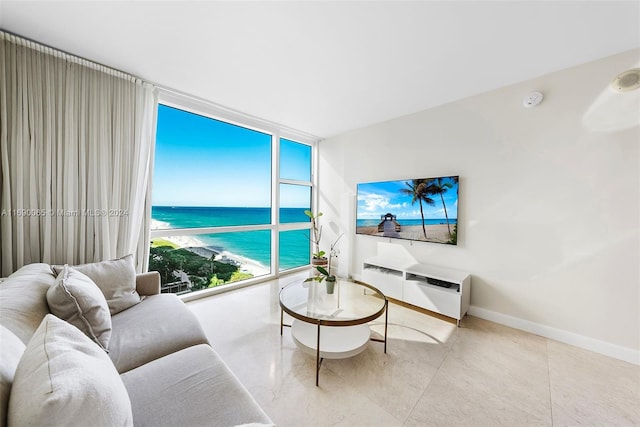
(591, 344)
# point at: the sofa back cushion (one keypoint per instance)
(115, 278)
(23, 305)
(23, 299)
(12, 350)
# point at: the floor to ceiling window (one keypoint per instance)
(295, 197)
(221, 211)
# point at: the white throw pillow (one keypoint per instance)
(11, 351)
(65, 379)
(75, 298)
(116, 279)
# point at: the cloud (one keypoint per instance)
(409, 214)
(372, 205)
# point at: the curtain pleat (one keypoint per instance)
(76, 147)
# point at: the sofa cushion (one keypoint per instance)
(23, 301)
(115, 278)
(159, 325)
(200, 388)
(75, 298)
(64, 378)
(11, 350)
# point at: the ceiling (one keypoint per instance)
(328, 67)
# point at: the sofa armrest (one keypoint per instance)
(148, 283)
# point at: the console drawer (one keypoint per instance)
(441, 300)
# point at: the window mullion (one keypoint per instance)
(275, 202)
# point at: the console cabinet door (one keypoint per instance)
(390, 284)
(444, 301)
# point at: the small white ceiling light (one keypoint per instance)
(533, 99)
(626, 81)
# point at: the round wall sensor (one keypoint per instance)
(533, 99)
(626, 81)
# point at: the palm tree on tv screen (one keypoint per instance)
(418, 192)
(437, 186)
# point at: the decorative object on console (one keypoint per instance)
(436, 220)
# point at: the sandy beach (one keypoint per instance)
(198, 247)
(435, 233)
(246, 265)
(159, 225)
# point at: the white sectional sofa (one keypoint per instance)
(155, 367)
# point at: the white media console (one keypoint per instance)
(442, 290)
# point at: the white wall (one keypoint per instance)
(548, 201)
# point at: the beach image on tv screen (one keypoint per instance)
(423, 209)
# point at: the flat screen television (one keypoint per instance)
(422, 209)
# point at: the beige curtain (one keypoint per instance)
(76, 151)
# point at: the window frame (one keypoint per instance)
(207, 109)
(293, 226)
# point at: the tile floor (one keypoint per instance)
(481, 374)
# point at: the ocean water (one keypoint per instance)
(407, 222)
(255, 245)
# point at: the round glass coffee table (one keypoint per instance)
(332, 325)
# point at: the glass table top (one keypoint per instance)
(350, 304)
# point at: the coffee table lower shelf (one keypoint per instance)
(336, 342)
(332, 325)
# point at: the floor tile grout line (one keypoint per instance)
(444, 358)
(408, 413)
(363, 395)
(404, 421)
(546, 346)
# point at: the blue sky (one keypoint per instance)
(378, 198)
(204, 162)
